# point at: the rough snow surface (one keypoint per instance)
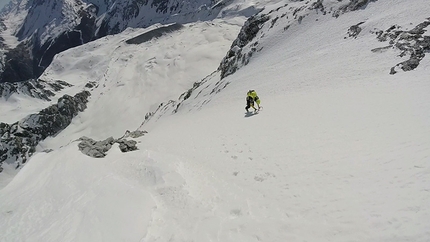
(340, 151)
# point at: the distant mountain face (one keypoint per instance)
(47, 27)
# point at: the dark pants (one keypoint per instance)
(249, 102)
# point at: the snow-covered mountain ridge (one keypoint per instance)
(35, 31)
(338, 153)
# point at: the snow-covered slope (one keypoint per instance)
(132, 79)
(340, 151)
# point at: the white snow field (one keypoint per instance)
(340, 151)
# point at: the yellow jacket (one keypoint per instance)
(254, 96)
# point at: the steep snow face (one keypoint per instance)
(340, 151)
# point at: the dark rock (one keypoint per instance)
(318, 5)
(381, 49)
(18, 140)
(410, 64)
(127, 145)
(90, 84)
(354, 30)
(19, 64)
(96, 149)
(354, 5)
(55, 118)
(58, 85)
(419, 29)
(33, 88)
(413, 43)
(235, 58)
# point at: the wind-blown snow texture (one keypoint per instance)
(340, 152)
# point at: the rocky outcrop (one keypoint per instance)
(354, 30)
(353, 5)
(18, 140)
(34, 88)
(127, 145)
(96, 149)
(99, 149)
(413, 43)
(236, 56)
(18, 64)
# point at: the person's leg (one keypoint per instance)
(252, 105)
(248, 105)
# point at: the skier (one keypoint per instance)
(252, 97)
